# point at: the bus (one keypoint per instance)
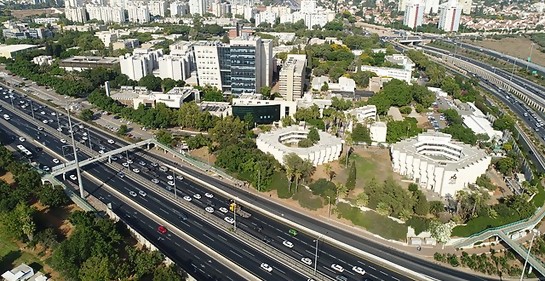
(25, 151)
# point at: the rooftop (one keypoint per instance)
(15, 48)
(91, 60)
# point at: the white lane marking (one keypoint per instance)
(372, 268)
(186, 224)
(176, 243)
(197, 223)
(222, 238)
(397, 279)
(164, 211)
(374, 276)
(362, 263)
(297, 253)
(249, 253)
(384, 273)
(208, 237)
(276, 268)
(236, 254)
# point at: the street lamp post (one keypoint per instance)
(235, 215)
(513, 70)
(174, 180)
(329, 207)
(535, 232)
(89, 138)
(11, 97)
(530, 57)
(78, 172)
(59, 122)
(32, 109)
(316, 253)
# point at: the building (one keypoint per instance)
(263, 111)
(9, 51)
(141, 63)
(220, 9)
(466, 6)
(23, 31)
(23, 272)
(136, 96)
(401, 60)
(174, 67)
(179, 9)
(80, 63)
(107, 37)
(73, 3)
(106, 14)
(276, 143)
(42, 60)
(437, 163)
(45, 21)
(388, 72)
(267, 16)
(310, 13)
(344, 85)
(292, 77)
(157, 8)
(449, 16)
(198, 7)
(76, 14)
(431, 7)
(128, 44)
(213, 64)
(378, 132)
(414, 14)
(138, 13)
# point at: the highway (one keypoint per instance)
(265, 228)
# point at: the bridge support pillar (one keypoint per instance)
(109, 159)
(64, 176)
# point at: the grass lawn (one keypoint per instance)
(366, 168)
(11, 256)
(373, 222)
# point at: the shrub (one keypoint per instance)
(419, 224)
(405, 110)
(307, 200)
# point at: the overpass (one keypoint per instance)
(410, 40)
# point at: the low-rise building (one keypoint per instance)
(9, 51)
(389, 72)
(42, 60)
(437, 163)
(23, 272)
(136, 96)
(79, 63)
(378, 132)
(262, 111)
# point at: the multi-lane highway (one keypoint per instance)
(270, 231)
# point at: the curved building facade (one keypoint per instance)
(437, 163)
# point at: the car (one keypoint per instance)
(101, 151)
(287, 244)
(45, 168)
(132, 193)
(125, 164)
(42, 113)
(84, 138)
(161, 229)
(197, 196)
(63, 141)
(266, 267)
(183, 216)
(223, 210)
(56, 161)
(73, 177)
(129, 161)
(170, 177)
(121, 174)
(171, 183)
(358, 270)
(187, 198)
(53, 113)
(229, 220)
(179, 177)
(337, 268)
(136, 170)
(306, 261)
(40, 128)
(110, 141)
(163, 169)
(155, 181)
(153, 164)
(292, 232)
(84, 134)
(45, 121)
(209, 209)
(142, 163)
(209, 195)
(142, 193)
(21, 139)
(113, 158)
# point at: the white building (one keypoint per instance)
(179, 9)
(378, 132)
(136, 96)
(437, 163)
(76, 14)
(208, 64)
(292, 77)
(140, 64)
(157, 8)
(431, 7)
(267, 16)
(46, 20)
(246, 11)
(106, 14)
(402, 60)
(198, 6)
(73, 3)
(414, 14)
(220, 9)
(174, 67)
(387, 72)
(466, 6)
(42, 60)
(327, 149)
(138, 13)
(449, 16)
(23, 272)
(363, 115)
(345, 84)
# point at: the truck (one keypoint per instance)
(234, 207)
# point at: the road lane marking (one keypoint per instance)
(249, 253)
(197, 223)
(223, 238)
(279, 270)
(373, 268)
(384, 273)
(208, 237)
(236, 254)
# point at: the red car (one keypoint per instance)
(162, 229)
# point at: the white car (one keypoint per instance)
(129, 161)
(142, 193)
(171, 183)
(45, 121)
(163, 169)
(337, 267)
(56, 161)
(53, 113)
(187, 198)
(223, 210)
(21, 139)
(287, 244)
(136, 170)
(209, 195)
(197, 196)
(133, 194)
(142, 163)
(179, 177)
(84, 133)
(155, 181)
(63, 141)
(358, 270)
(266, 267)
(101, 151)
(84, 138)
(154, 164)
(125, 164)
(306, 261)
(113, 158)
(209, 209)
(40, 128)
(73, 177)
(45, 168)
(59, 129)
(110, 141)
(229, 220)
(170, 177)
(42, 113)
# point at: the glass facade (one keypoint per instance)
(243, 72)
(263, 114)
(224, 56)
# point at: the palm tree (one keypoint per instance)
(328, 169)
(289, 175)
(297, 175)
(349, 142)
(341, 188)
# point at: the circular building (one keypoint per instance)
(283, 141)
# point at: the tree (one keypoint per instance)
(96, 269)
(452, 116)
(297, 168)
(313, 135)
(461, 133)
(227, 131)
(166, 273)
(325, 87)
(505, 122)
(505, 165)
(168, 84)
(422, 206)
(122, 130)
(211, 94)
(164, 137)
(351, 180)
(151, 82)
(441, 231)
(249, 120)
(86, 115)
(422, 95)
(53, 196)
(399, 130)
(287, 121)
(266, 92)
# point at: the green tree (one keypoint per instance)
(122, 130)
(399, 130)
(151, 82)
(505, 122)
(452, 116)
(86, 115)
(287, 121)
(166, 273)
(461, 133)
(266, 92)
(360, 133)
(249, 120)
(422, 206)
(227, 131)
(313, 135)
(297, 168)
(53, 196)
(164, 137)
(168, 84)
(96, 269)
(211, 94)
(351, 180)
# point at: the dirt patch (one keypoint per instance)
(8, 178)
(56, 218)
(203, 155)
(20, 14)
(517, 47)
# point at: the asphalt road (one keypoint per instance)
(276, 231)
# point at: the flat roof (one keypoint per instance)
(272, 138)
(16, 48)
(91, 59)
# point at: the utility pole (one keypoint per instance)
(235, 215)
(78, 172)
(89, 138)
(174, 180)
(316, 253)
(535, 232)
(32, 109)
(530, 57)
